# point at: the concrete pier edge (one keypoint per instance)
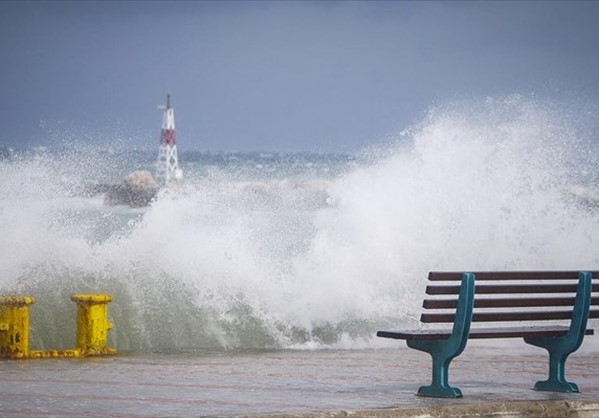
(508, 409)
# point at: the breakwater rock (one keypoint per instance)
(139, 189)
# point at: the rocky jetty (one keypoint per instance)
(138, 190)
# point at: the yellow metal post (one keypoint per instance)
(92, 324)
(14, 326)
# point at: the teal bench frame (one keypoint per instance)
(559, 341)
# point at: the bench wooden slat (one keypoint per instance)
(514, 288)
(419, 334)
(504, 303)
(509, 275)
(536, 331)
(501, 303)
(501, 332)
(500, 316)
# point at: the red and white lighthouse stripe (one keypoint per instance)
(167, 135)
(167, 168)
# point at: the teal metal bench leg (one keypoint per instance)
(557, 380)
(443, 351)
(442, 356)
(560, 348)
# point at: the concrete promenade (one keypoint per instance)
(508, 409)
(496, 381)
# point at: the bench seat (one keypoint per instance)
(500, 332)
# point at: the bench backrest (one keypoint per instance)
(509, 296)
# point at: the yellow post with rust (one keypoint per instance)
(92, 324)
(14, 326)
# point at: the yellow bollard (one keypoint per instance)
(92, 324)
(14, 326)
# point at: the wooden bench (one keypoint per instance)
(520, 302)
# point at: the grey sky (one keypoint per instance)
(277, 75)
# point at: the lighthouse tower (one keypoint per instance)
(167, 168)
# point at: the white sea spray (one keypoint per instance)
(251, 254)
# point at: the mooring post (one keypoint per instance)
(14, 326)
(92, 324)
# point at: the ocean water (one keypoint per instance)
(300, 251)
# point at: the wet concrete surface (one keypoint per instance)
(496, 378)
